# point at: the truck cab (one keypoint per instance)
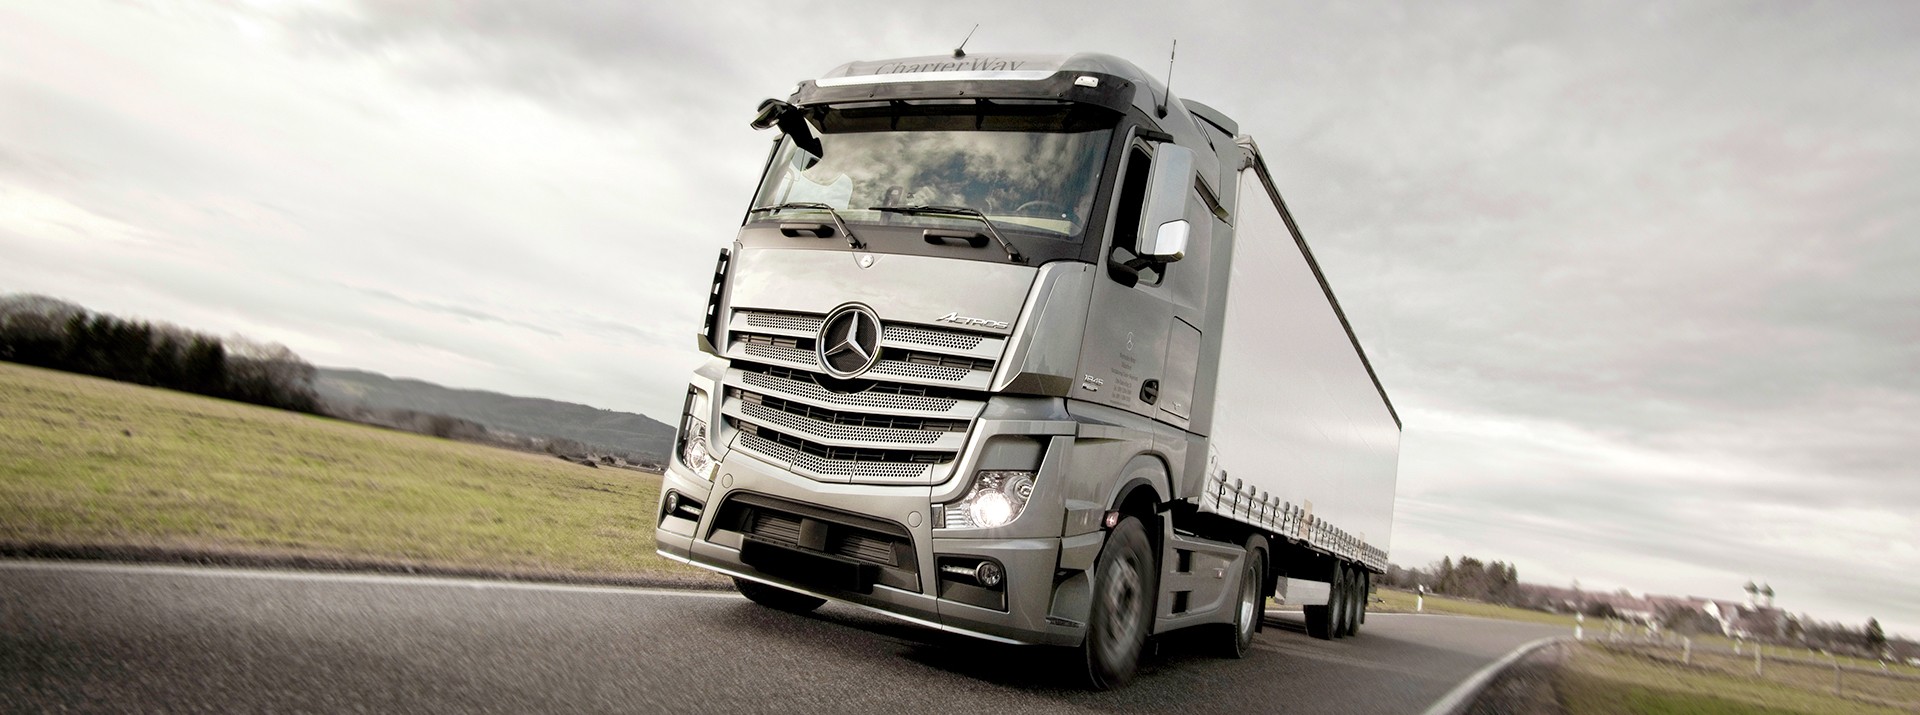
(965, 352)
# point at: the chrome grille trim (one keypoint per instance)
(810, 393)
(899, 336)
(844, 435)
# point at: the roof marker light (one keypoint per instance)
(1086, 81)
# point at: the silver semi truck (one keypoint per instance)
(1024, 347)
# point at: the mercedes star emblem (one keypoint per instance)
(849, 342)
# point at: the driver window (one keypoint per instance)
(1132, 200)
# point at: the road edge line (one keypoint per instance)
(352, 577)
(1456, 701)
(247, 558)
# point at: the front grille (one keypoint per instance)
(870, 466)
(904, 421)
(851, 419)
(783, 381)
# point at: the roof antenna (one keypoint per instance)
(961, 51)
(1168, 92)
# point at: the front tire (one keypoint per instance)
(1125, 583)
(777, 598)
(1249, 608)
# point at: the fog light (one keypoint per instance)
(673, 502)
(989, 574)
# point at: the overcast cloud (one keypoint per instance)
(1644, 281)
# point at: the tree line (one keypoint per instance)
(1471, 578)
(51, 333)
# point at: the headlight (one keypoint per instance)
(996, 499)
(693, 449)
(693, 434)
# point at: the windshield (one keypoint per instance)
(1031, 169)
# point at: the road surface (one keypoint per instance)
(92, 637)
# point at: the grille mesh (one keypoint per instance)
(932, 338)
(783, 321)
(782, 354)
(833, 467)
(896, 368)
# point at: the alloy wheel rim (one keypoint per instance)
(1122, 597)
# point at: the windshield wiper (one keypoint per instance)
(1013, 254)
(851, 240)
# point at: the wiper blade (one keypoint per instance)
(1013, 254)
(851, 240)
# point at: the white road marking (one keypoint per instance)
(1457, 700)
(343, 577)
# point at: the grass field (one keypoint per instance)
(1595, 680)
(1395, 601)
(89, 462)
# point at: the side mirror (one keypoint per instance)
(1163, 233)
(791, 120)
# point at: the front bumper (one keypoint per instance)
(1042, 608)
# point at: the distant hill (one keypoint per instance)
(526, 416)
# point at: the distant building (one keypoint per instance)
(1757, 618)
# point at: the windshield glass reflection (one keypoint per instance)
(1031, 170)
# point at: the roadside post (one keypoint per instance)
(1579, 619)
(1420, 599)
(1686, 652)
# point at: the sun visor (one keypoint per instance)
(1070, 78)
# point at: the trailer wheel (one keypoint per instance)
(1338, 600)
(777, 598)
(1237, 640)
(1356, 600)
(1323, 622)
(1125, 582)
(1366, 589)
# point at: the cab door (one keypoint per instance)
(1143, 332)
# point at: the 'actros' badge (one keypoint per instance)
(849, 341)
(959, 319)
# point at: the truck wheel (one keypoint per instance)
(776, 597)
(1248, 609)
(1125, 581)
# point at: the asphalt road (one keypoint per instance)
(103, 637)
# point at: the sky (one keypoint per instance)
(1643, 280)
